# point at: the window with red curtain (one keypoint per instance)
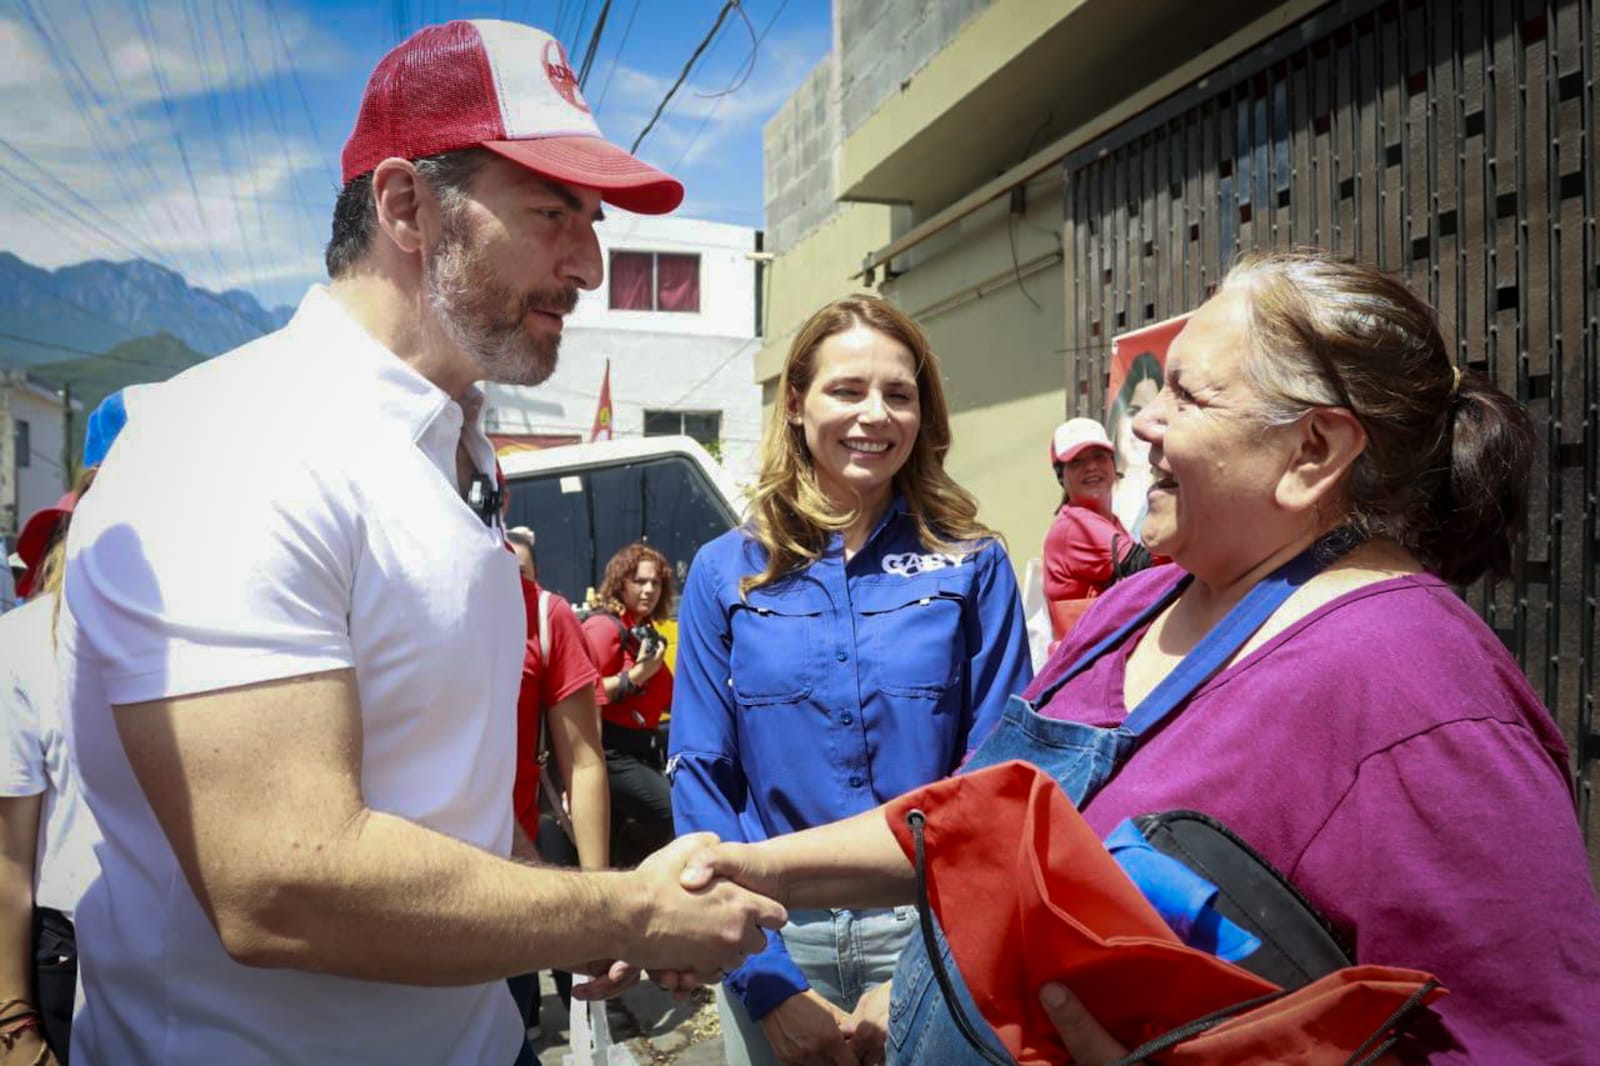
(631, 281)
(677, 283)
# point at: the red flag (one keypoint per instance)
(602, 414)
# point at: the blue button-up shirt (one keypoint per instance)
(833, 690)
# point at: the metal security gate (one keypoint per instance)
(1450, 140)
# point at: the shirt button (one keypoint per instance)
(841, 656)
(855, 782)
(846, 718)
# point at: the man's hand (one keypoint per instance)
(868, 1026)
(743, 864)
(805, 1030)
(1085, 1038)
(705, 931)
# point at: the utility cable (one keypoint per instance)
(93, 355)
(112, 238)
(755, 50)
(214, 109)
(705, 43)
(594, 44)
(615, 56)
(65, 63)
(294, 72)
(148, 32)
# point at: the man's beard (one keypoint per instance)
(484, 318)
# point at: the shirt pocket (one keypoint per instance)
(910, 632)
(776, 637)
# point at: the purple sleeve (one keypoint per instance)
(1458, 852)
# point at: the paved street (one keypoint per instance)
(653, 1026)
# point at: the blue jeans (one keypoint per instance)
(842, 954)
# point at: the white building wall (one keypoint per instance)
(43, 479)
(675, 361)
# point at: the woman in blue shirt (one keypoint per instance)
(853, 640)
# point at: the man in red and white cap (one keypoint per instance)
(293, 636)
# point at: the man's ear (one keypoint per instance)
(1328, 441)
(407, 211)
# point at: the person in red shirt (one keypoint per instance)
(562, 690)
(1087, 542)
(635, 689)
(559, 696)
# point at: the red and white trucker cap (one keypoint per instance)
(1075, 436)
(505, 87)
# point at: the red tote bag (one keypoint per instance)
(1027, 895)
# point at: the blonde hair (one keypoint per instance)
(790, 515)
(53, 566)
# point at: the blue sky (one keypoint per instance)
(205, 134)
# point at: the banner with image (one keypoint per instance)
(1138, 362)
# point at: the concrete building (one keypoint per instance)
(32, 436)
(1031, 180)
(676, 318)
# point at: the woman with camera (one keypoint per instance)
(635, 689)
(853, 640)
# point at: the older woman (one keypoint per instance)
(1305, 674)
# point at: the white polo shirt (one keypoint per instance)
(288, 508)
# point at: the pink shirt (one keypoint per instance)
(1385, 753)
(1078, 550)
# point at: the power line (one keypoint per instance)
(105, 234)
(214, 107)
(294, 71)
(128, 359)
(594, 43)
(148, 31)
(719, 368)
(61, 60)
(705, 43)
(755, 50)
(576, 29)
(615, 56)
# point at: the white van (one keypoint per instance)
(585, 501)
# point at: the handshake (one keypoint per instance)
(688, 914)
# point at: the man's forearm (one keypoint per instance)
(394, 901)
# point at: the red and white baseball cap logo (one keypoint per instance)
(561, 76)
(504, 87)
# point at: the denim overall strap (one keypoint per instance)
(1112, 640)
(1225, 639)
(1081, 759)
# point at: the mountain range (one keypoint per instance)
(89, 308)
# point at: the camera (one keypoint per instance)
(648, 638)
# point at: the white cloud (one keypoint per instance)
(93, 127)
